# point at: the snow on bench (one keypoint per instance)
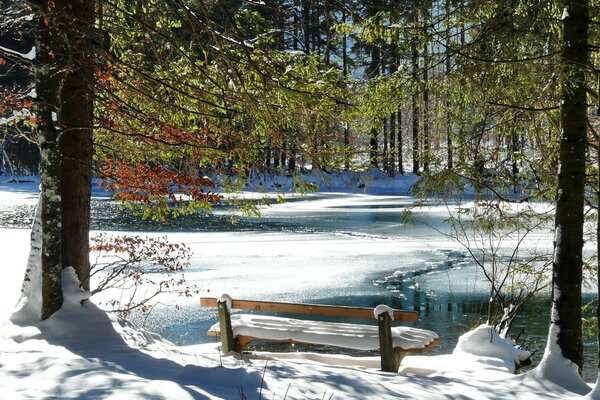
(393, 342)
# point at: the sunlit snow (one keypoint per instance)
(81, 352)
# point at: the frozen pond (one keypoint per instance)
(347, 249)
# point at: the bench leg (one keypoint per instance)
(399, 355)
(389, 362)
(227, 342)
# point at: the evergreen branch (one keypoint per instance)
(497, 60)
(523, 108)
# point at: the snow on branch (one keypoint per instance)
(30, 56)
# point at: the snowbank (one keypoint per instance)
(83, 353)
(485, 342)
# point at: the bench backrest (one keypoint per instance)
(311, 309)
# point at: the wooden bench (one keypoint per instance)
(393, 342)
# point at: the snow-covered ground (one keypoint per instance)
(83, 353)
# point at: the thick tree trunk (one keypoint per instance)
(76, 146)
(565, 325)
(63, 76)
(47, 85)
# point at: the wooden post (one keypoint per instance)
(225, 327)
(389, 361)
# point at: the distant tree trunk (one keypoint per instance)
(306, 25)
(399, 143)
(276, 158)
(373, 71)
(426, 138)
(392, 157)
(267, 155)
(449, 144)
(327, 14)
(514, 139)
(315, 27)
(415, 94)
(567, 265)
(598, 252)
(345, 72)
(292, 159)
(415, 110)
(283, 154)
(385, 146)
(296, 24)
(598, 237)
(374, 147)
(426, 126)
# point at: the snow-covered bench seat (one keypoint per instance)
(393, 342)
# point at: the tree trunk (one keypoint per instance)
(76, 146)
(373, 71)
(399, 143)
(565, 325)
(47, 85)
(374, 147)
(415, 95)
(384, 156)
(415, 111)
(306, 25)
(63, 76)
(345, 72)
(392, 158)
(598, 258)
(426, 128)
(598, 239)
(449, 144)
(426, 139)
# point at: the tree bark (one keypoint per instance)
(415, 111)
(426, 129)
(399, 143)
(415, 96)
(448, 65)
(567, 265)
(76, 146)
(63, 79)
